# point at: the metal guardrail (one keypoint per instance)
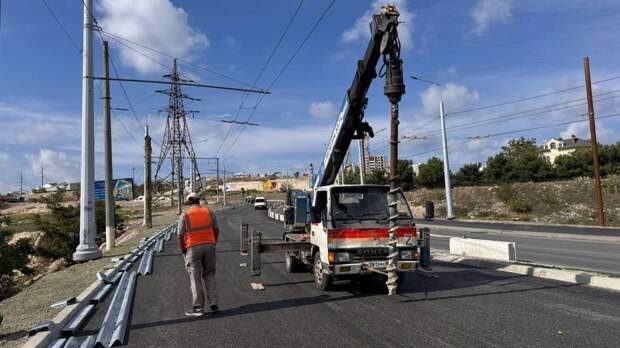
(146, 264)
(115, 322)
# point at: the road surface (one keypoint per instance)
(464, 307)
(601, 256)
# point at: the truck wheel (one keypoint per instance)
(292, 263)
(322, 280)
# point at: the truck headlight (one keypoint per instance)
(406, 254)
(343, 257)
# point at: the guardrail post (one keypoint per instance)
(255, 262)
(243, 239)
(425, 252)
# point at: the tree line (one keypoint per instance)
(518, 161)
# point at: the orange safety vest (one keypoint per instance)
(199, 227)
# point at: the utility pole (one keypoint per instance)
(594, 143)
(110, 231)
(148, 188)
(224, 182)
(133, 174)
(42, 178)
(362, 160)
(21, 184)
(217, 179)
(87, 249)
(446, 162)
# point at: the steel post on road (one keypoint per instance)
(87, 249)
(362, 160)
(148, 185)
(446, 162)
(594, 143)
(110, 230)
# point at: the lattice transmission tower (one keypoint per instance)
(176, 146)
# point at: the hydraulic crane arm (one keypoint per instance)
(383, 42)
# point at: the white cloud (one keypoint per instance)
(361, 28)
(155, 23)
(322, 109)
(6, 184)
(581, 130)
(56, 165)
(488, 12)
(454, 96)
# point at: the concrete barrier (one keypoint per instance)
(486, 249)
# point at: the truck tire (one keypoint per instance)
(292, 263)
(322, 280)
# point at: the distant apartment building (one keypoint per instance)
(556, 147)
(375, 163)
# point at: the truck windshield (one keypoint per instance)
(259, 200)
(357, 204)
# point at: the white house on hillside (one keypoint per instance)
(554, 148)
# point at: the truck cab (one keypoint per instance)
(349, 233)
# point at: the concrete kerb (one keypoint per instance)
(545, 235)
(45, 338)
(593, 279)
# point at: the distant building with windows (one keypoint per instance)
(556, 147)
(375, 163)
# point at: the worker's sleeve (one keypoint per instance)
(216, 228)
(181, 230)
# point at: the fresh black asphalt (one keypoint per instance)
(462, 307)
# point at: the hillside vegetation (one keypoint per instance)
(557, 202)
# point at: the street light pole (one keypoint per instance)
(446, 164)
(87, 249)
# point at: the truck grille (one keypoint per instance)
(369, 254)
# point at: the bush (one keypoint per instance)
(61, 227)
(513, 199)
(13, 258)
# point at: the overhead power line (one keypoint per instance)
(262, 71)
(528, 98)
(120, 39)
(295, 53)
(62, 27)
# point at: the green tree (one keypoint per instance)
(470, 174)
(518, 161)
(430, 174)
(407, 176)
(377, 177)
(352, 176)
(13, 259)
(578, 163)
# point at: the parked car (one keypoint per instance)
(260, 203)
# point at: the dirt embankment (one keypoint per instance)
(559, 202)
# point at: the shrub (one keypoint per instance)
(13, 258)
(513, 199)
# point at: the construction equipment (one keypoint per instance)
(350, 231)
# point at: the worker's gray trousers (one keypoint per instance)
(200, 263)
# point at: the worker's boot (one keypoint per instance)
(195, 312)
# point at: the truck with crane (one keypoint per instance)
(346, 231)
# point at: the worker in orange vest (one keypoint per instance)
(197, 235)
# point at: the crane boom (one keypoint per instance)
(349, 124)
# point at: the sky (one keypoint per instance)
(477, 53)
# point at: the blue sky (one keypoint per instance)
(482, 52)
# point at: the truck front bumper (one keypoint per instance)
(367, 268)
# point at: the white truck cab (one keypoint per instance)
(349, 234)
